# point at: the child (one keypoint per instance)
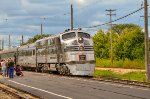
(18, 71)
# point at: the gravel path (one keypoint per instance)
(120, 70)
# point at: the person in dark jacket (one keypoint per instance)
(11, 68)
(18, 70)
(7, 68)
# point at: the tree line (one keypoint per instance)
(128, 42)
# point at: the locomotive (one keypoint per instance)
(69, 53)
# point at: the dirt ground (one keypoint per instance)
(120, 70)
(4, 95)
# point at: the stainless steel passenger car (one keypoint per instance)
(69, 53)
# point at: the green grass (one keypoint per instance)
(133, 76)
(136, 64)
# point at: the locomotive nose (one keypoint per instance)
(80, 40)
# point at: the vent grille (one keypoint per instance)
(76, 48)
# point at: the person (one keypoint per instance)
(7, 68)
(18, 70)
(11, 68)
(3, 64)
(1, 67)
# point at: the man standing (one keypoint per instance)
(7, 68)
(3, 64)
(11, 68)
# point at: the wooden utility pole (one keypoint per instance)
(71, 16)
(111, 42)
(41, 29)
(22, 40)
(146, 41)
(9, 41)
(2, 43)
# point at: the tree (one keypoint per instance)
(35, 38)
(130, 44)
(121, 27)
(101, 45)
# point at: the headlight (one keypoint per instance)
(80, 40)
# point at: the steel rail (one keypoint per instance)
(114, 80)
(18, 93)
(105, 79)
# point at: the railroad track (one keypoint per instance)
(114, 80)
(126, 82)
(107, 79)
(16, 93)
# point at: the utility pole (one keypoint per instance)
(41, 29)
(146, 41)
(111, 42)
(22, 40)
(71, 16)
(2, 43)
(9, 41)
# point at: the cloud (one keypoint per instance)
(25, 16)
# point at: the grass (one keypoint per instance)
(133, 76)
(127, 64)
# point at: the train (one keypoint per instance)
(69, 53)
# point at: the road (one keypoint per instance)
(50, 86)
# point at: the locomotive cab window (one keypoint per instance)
(84, 35)
(51, 41)
(38, 44)
(45, 42)
(68, 36)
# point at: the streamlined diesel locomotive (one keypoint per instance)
(69, 53)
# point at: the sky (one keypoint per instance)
(23, 17)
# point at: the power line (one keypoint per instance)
(115, 19)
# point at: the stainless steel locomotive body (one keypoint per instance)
(69, 53)
(78, 52)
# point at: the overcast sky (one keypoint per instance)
(23, 17)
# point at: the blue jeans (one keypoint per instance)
(11, 72)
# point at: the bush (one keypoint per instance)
(128, 64)
(133, 76)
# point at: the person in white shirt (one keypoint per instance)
(3, 65)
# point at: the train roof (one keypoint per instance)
(27, 46)
(65, 32)
(8, 50)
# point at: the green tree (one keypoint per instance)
(119, 29)
(101, 44)
(130, 44)
(35, 38)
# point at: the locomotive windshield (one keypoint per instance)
(68, 35)
(84, 35)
